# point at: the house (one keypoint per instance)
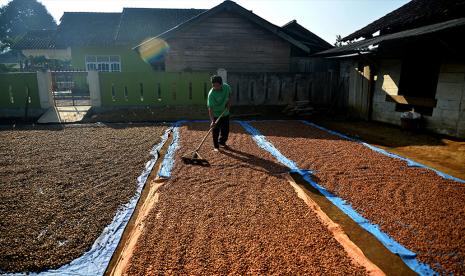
(102, 41)
(42, 43)
(164, 57)
(409, 59)
(229, 36)
(300, 61)
(226, 36)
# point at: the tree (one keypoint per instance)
(339, 42)
(19, 16)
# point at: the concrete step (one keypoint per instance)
(64, 114)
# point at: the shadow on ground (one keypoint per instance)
(256, 163)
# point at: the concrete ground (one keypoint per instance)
(64, 114)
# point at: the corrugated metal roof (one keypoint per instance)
(138, 24)
(365, 44)
(414, 14)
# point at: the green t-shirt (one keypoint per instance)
(217, 100)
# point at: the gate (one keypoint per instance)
(70, 88)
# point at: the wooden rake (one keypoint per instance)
(194, 158)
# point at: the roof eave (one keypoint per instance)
(421, 31)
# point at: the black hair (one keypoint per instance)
(216, 79)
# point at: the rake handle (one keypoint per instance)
(211, 128)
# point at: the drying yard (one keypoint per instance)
(243, 214)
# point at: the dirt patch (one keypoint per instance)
(60, 187)
(419, 209)
(239, 216)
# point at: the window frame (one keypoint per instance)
(103, 63)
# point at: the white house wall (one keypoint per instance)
(60, 54)
(449, 114)
(387, 83)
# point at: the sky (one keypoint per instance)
(325, 18)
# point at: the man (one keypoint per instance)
(219, 100)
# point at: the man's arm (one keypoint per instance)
(228, 105)
(210, 114)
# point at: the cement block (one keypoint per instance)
(386, 115)
(443, 126)
(379, 99)
(384, 107)
(451, 131)
(436, 113)
(391, 90)
(449, 91)
(450, 115)
(443, 119)
(462, 103)
(94, 88)
(44, 82)
(461, 127)
(453, 68)
(448, 104)
(379, 96)
(389, 85)
(460, 133)
(452, 77)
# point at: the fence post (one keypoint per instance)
(94, 88)
(223, 74)
(44, 82)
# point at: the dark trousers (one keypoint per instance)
(221, 127)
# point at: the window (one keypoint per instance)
(115, 67)
(418, 83)
(103, 63)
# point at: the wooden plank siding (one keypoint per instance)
(226, 40)
(319, 88)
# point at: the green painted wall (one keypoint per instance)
(158, 88)
(130, 60)
(13, 90)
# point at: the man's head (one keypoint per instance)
(217, 81)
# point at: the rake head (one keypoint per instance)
(195, 159)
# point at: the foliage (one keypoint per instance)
(43, 63)
(340, 42)
(19, 16)
(7, 68)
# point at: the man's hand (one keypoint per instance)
(212, 124)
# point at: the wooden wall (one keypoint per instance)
(261, 89)
(227, 40)
(356, 89)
